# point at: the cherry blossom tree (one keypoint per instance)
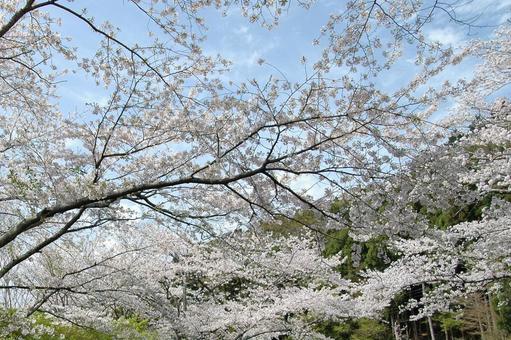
(469, 176)
(239, 290)
(176, 155)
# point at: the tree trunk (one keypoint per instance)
(481, 329)
(493, 316)
(415, 332)
(395, 328)
(430, 323)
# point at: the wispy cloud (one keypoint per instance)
(477, 7)
(445, 36)
(244, 34)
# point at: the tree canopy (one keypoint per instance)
(182, 202)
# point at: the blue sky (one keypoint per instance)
(245, 43)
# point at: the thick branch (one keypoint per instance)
(46, 213)
(41, 245)
(29, 6)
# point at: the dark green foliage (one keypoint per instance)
(372, 254)
(370, 329)
(359, 256)
(235, 289)
(340, 242)
(502, 304)
(341, 208)
(449, 322)
(337, 330)
(284, 226)
(472, 212)
(359, 329)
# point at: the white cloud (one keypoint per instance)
(241, 30)
(250, 60)
(244, 33)
(309, 185)
(445, 36)
(478, 6)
